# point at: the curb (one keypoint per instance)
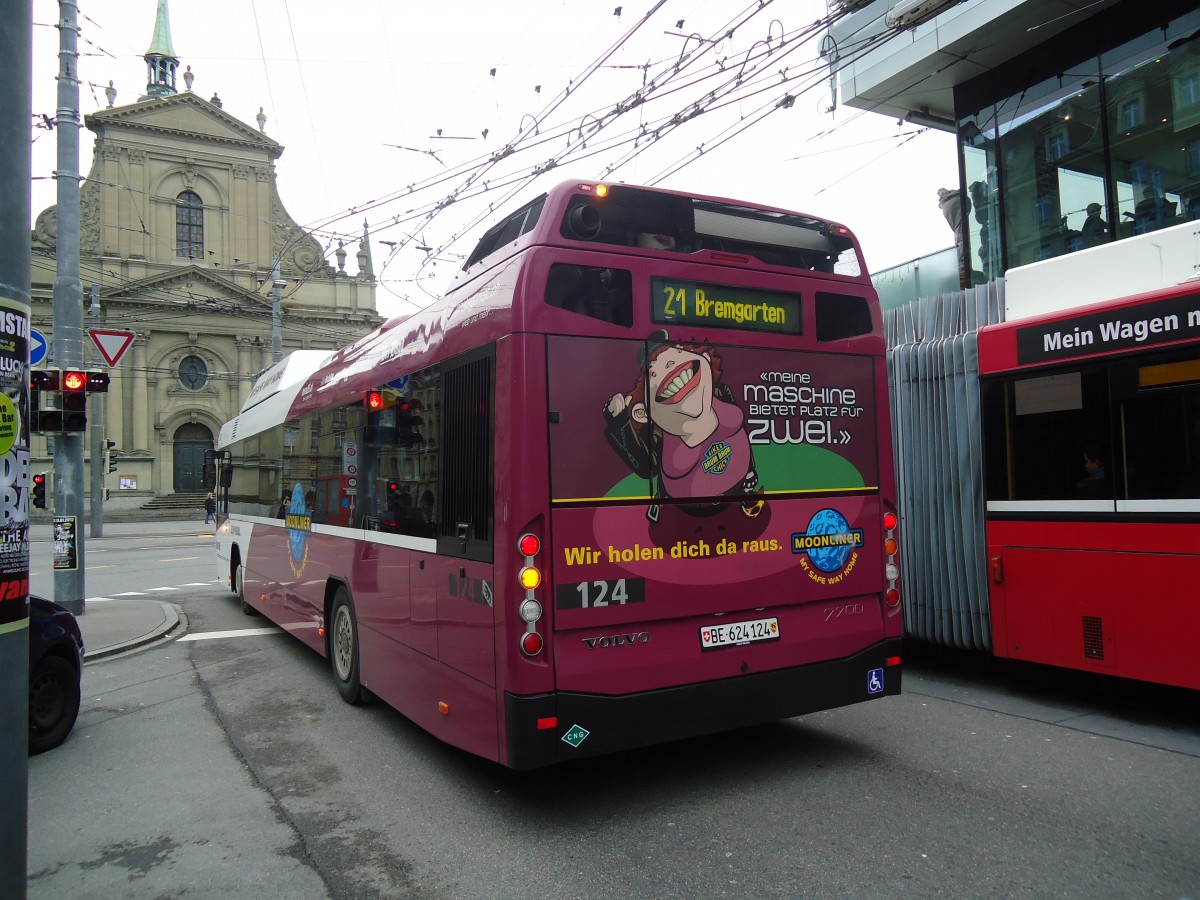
(175, 626)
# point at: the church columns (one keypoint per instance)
(141, 394)
(246, 370)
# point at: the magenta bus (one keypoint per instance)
(629, 481)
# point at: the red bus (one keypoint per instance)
(1091, 447)
(629, 481)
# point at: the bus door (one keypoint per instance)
(700, 485)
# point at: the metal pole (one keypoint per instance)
(68, 299)
(96, 432)
(16, 111)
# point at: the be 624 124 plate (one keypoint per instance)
(731, 634)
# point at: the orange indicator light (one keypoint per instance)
(530, 578)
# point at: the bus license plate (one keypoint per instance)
(736, 633)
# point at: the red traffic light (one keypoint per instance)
(39, 478)
(374, 401)
(74, 381)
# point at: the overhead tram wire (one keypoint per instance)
(430, 210)
(476, 172)
(639, 96)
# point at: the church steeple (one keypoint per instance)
(161, 61)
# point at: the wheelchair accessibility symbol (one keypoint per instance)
(875, 681)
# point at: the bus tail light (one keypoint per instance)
(531, 643)
(891, 547)
(530, 578)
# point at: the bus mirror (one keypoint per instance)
(226, 476)
(584, 222)
(210, 475)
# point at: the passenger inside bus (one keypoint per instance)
(1094, 483)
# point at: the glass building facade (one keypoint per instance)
(1100, 149)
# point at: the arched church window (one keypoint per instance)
(189, 225)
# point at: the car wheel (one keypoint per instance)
(343, 649)
(53, 703)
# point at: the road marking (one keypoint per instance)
(148, 590)
(180, 559)
(218, 635)
(130, 594)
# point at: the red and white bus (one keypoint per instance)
(629, 481)
(1091, 440)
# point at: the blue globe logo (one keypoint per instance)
(832, 557)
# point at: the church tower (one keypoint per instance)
(161, 61)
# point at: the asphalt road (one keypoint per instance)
(228, 766)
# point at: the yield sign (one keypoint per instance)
(111, 344)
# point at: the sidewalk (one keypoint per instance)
(110, 627)
(116, 626)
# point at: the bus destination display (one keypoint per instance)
(674, 301)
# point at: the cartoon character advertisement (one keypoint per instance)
(674, 454)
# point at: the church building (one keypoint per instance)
(185, 242)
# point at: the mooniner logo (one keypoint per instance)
(829, 546)
(298, 522)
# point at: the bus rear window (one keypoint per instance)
(631, 217)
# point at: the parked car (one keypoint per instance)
(55, 667)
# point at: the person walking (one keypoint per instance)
(210, 508)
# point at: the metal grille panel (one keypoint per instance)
(1093, 637)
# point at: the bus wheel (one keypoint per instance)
(343, 649)
(239, 588)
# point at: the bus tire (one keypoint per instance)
(343, 648)
(239, 576)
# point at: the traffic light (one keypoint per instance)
(110, 456)
(39, 490)
(407, 423)
(43, 405)
(74, 405)
(58, 398)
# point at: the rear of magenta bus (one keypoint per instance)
(696, 520)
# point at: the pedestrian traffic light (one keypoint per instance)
(39, 490)
(110, 456)
(74, 405)
(43, 389)
(44, 379)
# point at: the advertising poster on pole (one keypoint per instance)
(14, 468)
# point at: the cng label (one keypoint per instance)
(576, 735)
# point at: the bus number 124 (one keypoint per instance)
(592, 594)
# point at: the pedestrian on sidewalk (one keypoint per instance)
(210, 508)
